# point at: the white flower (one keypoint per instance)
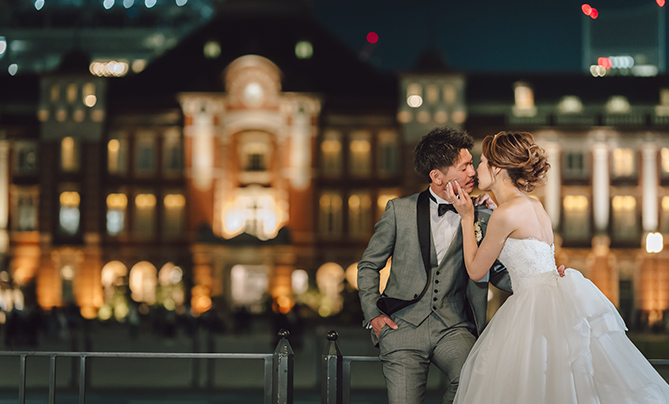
(477, 232)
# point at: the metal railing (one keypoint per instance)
(336, 377)
(278, 368)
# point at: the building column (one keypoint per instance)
(552, 197)
(649, 213)
(600, 187)
(4, 199)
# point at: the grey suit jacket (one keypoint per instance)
(404, 234)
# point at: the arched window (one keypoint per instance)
(330, 281)
(142, 282)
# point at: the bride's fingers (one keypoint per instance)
(450, 194)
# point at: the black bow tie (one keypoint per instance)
(443, 207)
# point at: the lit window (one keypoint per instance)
(330, 280)
(116, 208)
(117, 152)
(432, 93)
(449, 94)
(69, 214)
(664, 156)
(388, 154)
(304, 50)
(524, 100)
(664, 223)
(576, 221)
(88, 95)
(145, 154)
(145, 212)
(331, 155)
(623, 162)
(570, 104)
(71, 92)
(174, 215)
(617, 104)
(624, 227)
(69, 155)
(381, 203)
(249, 285)
(142, 282)
(330, 216)
(359, 217)
(360, 152)
(414, 95)
(112, 278)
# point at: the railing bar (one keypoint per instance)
(82, 379)
(361, 358)
(140, 355)
(659, 362)
(52, 380)
(346, 379)
(22, 381)
(269, 378)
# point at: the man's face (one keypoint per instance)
(462, 171)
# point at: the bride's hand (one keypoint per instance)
(462, 202)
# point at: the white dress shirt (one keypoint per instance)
(443, 228)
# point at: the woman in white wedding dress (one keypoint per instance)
(555, 340)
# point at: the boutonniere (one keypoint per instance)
(477, 232)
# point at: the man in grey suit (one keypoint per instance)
(430, 311)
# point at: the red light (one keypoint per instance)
(604, 62)
(660, 3)
(594, 13)
(372, 37)
(587, 9)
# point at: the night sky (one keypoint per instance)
(475, 36)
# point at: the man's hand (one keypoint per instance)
(561, 270)
(485, 199)
(381, 321)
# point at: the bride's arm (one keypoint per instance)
(479, 259)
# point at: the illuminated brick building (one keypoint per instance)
(249, 164)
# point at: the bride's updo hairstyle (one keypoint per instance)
(519, 155)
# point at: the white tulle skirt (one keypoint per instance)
(559, 341)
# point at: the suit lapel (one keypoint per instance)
(424, 231)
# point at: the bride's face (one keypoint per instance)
(484, 174)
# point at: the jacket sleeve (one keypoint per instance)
(373, 260)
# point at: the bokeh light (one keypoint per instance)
(372, 37)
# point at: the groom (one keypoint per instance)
(430, 311)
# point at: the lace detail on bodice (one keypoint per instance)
(529, 262)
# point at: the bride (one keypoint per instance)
(555, 340)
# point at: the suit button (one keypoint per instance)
(437, 272)
(436, 281)
(435, 299)
(436, 291)
(415, 296)
(434, 307)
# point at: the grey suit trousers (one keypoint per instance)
(406, 354)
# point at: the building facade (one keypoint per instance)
(250, 173)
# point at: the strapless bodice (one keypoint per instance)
(529, 262)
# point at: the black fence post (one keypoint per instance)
(331, 387)
(282, 371)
